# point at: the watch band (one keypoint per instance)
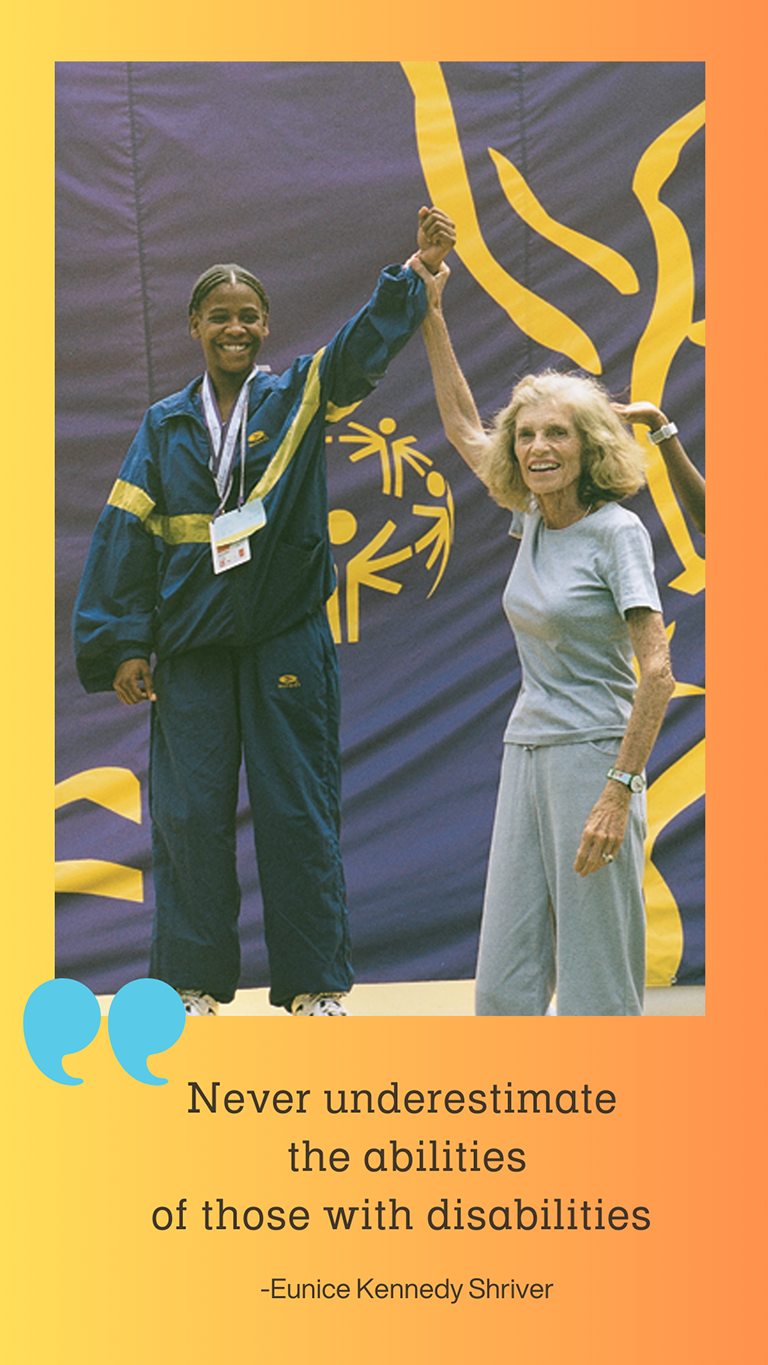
(662, 433)
(635, 781)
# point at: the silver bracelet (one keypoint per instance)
(662, 434)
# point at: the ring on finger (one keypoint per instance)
(607, 857)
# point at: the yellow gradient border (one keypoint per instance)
(90, 1279)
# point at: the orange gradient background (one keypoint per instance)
(90, 1278)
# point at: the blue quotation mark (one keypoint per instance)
(63, 1016)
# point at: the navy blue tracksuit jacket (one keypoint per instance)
(244, 661)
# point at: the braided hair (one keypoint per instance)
(225, 274)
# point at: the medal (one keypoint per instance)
(230, 530)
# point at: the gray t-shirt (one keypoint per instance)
(566, 601)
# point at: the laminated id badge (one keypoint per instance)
(230, 532)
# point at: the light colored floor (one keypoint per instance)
(451, 997)
(436, 998)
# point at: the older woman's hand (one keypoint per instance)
(604, 830)
(435, 284)
(647, 413)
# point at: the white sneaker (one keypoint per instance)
(197, 1003)
(317, 1004)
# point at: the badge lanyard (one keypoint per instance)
(223, 436)
(230, 531)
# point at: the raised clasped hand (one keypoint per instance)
(647, 413)
(436, 236)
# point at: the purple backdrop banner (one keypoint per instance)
(578, 194)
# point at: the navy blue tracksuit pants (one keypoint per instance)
(276, 705)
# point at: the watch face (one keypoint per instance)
(637, 784)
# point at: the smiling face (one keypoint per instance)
(231, 325)
(548, 449)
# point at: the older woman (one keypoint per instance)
(564, 903)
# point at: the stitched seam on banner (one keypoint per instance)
(129, 498)
(522, 113)
(139, 230)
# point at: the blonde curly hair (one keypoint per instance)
(612, 461)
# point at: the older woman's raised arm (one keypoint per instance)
(604, 830)
(460, 418)
(687, 482)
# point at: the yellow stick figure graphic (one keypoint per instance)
(440, 535)
(363, 570)
(376, 445)
(401, 453)
(342, 526)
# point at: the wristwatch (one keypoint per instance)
(662, 433)
(635, 781)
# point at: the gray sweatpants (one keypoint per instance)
(544, 925)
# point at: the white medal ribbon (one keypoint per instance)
(223, 436)
(230, 530)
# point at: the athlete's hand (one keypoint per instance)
(133, 682)
(436, 236)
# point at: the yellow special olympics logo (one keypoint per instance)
(671, 323)
(418, 529)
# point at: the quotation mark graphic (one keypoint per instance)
(63, 1016)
